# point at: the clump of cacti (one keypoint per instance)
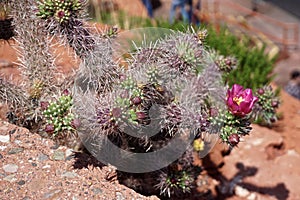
(172, 90)
(59, 117)
(59, 10)
(265, 109)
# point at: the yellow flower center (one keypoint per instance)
(238, 100)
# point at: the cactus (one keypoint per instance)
(172, 93)
(265, 110)
(12, 95)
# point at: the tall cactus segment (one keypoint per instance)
(12, 95)
(35, 60)
(149, 118)
(66, 20)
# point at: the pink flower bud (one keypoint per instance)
(136, 100)
(60, 14)
(75, 123)
(274, 104)
(141, 115)
(260, 91)
(228, 62)
(213, 112)
(234, 139)
(49, 128)
(66, 92)
(122, 77)
(44, 105)
(116, 112)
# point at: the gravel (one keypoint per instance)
(4, 138)
(15, 150)
(41, 172)
(10, 168)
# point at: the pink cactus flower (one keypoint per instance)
(240, 101)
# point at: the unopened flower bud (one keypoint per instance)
(136, 100)
(49, 128)
(44, 105)
(141, 115)
(60, 14)
(228, 62)
(213, 112)
(66, 92)
(260, 91)
(122, 77)
(274, 104)
(234, 139)
(116, 112)
(75, 123)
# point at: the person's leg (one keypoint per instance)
(172, 12)
(190, 12)
(148, 5)
(184, 13)
(198, 8)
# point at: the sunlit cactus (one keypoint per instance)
(140, 100)
(175, 183)
(264, 111)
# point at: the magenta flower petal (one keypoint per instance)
(236, 89)
(245, 107)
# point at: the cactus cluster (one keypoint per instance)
(232, 127)
(226, 64)
(58, 115)
(177, 183)
(264, 111)
(60, 10)
(172, 87)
